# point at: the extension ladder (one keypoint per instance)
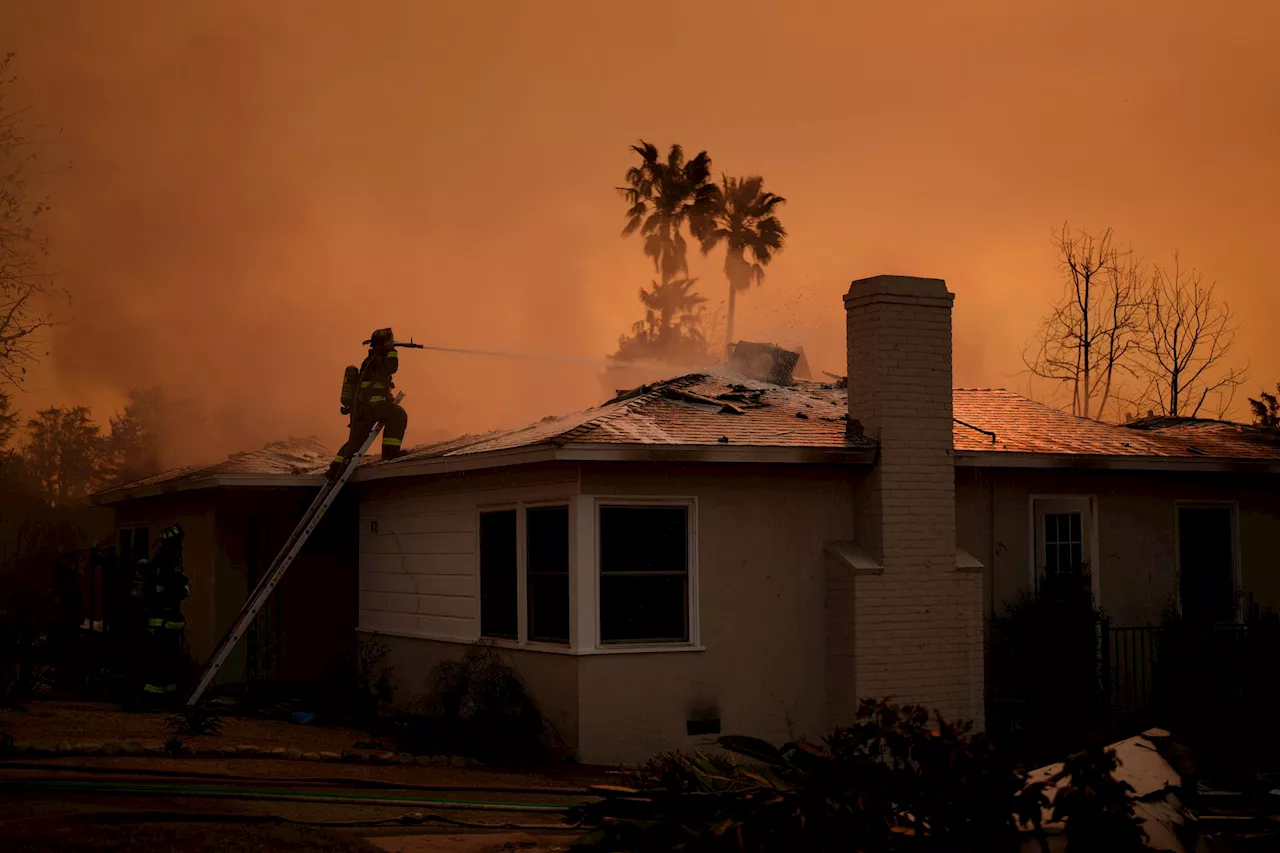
(258, 598)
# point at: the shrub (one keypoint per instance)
(478, 707)
(357, 683)
(1200, 666)
(890, 783)
(1045, 649)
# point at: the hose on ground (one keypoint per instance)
(125, 788)
(291, 781)
(407, 819)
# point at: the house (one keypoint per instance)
(236, 515)
(718, 553)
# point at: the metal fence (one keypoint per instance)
(1148, 669)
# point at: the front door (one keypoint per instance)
(1206, 558)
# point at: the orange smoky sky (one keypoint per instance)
(242, 191)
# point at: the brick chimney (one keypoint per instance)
(916, 632)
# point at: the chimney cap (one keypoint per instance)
(899, 285)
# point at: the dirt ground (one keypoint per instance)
(77, 722)
(38, 819)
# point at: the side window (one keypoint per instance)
(499, 608)
(1064, 530)
(133, 545)
(644, 574)
(1063, 543)
(547, 573)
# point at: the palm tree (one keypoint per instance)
(672, 326)
(742, 217)
(664, 197)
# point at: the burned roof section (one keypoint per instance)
(301, 458)
(694, 410)
(765, 362)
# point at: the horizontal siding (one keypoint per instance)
(418, 571)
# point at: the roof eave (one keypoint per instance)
(614, 452)
(120, 495)
(1100, 462)
(125, 493)
(721, 453)
(453, 464)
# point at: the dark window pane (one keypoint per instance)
(548, 538)
(636, 608)
(141, 549)
(1077, 557)
(499, 613)
(547, 556)
(549, 608)
(126, 547)
(1206, 545)
(643, 539)
(644, 583)
(1076, 535)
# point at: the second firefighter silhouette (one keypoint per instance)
(160, 586)
(372, 402)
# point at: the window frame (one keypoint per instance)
(481, 511)
(1040, 505)
(694, 636)
(1237, 580)
(133, 530)
(522, 639)
(522, 570)
(1042, 549)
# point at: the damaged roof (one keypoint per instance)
(704, 417)
(693, 410)
(995, 420)
(293, 461)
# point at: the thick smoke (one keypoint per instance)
(243, 191)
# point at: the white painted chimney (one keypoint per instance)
(916, 632)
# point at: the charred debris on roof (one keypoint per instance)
(735, 401)
(765, 362)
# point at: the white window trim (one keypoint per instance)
(1237, 579)
(522, 640)
(694, 642)
(1085, 504)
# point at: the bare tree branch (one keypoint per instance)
(1187, 335)
(22, 286)
(1086, 344)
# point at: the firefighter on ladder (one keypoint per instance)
(373, 403)
(166, 586)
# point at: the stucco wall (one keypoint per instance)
(761, 595)
(551, 679)
(1136, 531)
(760, 578)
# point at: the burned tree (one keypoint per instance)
(1185, 340)
(65, 453)
(22, 285)
(1266, 409)
(664, 196)
(1087, 342)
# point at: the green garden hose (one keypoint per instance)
(218, 792)
(292, 781)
